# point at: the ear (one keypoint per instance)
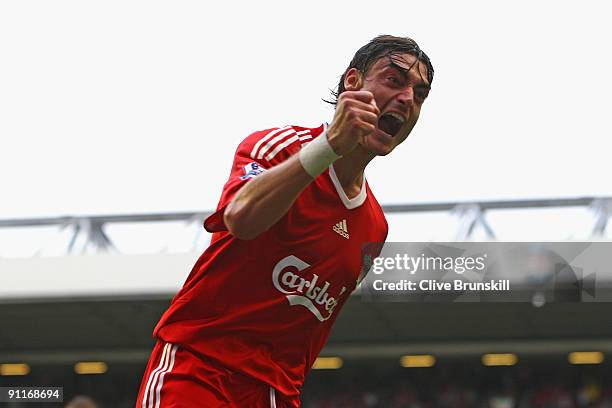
(353, 80)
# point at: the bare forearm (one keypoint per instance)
(260, 203)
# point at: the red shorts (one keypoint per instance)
(177, 378)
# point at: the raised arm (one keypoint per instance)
(260, 203)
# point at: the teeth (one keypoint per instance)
(396, 116)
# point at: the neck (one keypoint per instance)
(350, 169)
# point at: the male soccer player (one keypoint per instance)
(285, 255)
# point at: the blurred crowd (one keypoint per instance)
(463, 387)
(370, 385)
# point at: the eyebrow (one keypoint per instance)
(404, 73)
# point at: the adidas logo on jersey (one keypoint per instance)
(341, 229)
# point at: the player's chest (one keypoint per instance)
(329, 236)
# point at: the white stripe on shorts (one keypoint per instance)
(161, 377)
(272, 398)
(154, 375)
(153, 388)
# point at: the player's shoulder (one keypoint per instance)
(278, 142)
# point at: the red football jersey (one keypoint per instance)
(265, 307)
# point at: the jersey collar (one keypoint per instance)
(349, 203)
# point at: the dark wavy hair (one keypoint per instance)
(379, 47)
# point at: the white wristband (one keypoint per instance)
(317, 155)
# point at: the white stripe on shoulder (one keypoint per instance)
(305, 137)
(281, 147)
(265, 138)
(272, 142)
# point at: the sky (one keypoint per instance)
(137, 106)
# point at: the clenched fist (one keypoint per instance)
(356, 117)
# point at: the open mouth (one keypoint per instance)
(390, 123)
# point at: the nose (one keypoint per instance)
(406, 96)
